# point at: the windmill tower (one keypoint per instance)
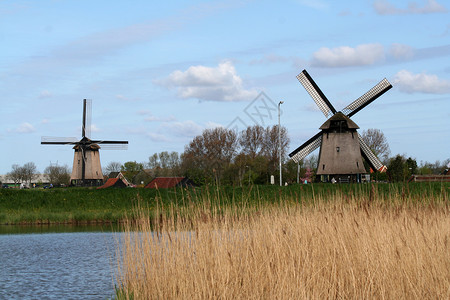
(341, 147)
(86, 170)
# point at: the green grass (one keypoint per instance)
(80, 205)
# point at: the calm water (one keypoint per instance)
(57, 263)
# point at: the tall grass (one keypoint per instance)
(333, 246)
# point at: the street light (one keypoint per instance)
(279, 138)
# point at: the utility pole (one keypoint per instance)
(279, 139)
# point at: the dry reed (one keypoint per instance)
(332, 248)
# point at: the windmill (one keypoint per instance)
(341, 147)
(86, 170)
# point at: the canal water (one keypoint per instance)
(59, 262)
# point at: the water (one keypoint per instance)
(60, 264)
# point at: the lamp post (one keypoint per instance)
(279, 138)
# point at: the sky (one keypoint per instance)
(160, 72)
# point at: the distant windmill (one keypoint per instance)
(341, 147)
(86, 170)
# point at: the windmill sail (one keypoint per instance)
(307, 147)
(369, 156)
(314, 91)
(341, 147)
(86, 169)
(53, 140)
(87, 118)
(375, 92)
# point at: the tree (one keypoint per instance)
(130, 169)
(208, 154)
(174, 163)
(58, 175)
(113, 166)
(153, 161)
(377, 142)
(29, 172)
(163, 159)
(396, 168)
(132, 166)
(271, 145)
(400, 168)
(411, 164)
(16, 174)
(251, 140)
(25, 173)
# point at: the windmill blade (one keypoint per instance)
(307, 147)
(114, 146)
(51, 140)
(369, 156)
(375, 92)
(314, 91)
(87, 118)
(109, 142)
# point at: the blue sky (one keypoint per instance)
(160, 73)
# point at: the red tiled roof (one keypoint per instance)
(164, 182)
(112, 182)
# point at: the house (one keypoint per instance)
(121, 176)
(113, 182)
(169, 182)
(143, 177)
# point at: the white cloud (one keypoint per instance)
(149, 117)
(211, 84)
(152, 118)
(401, 51)
(156, 137)
(344, 56)
(45, 94)
(184, 129)
(152, 134)
(421, 83)
(384, 7)
(24, 128)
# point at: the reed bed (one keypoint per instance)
(333, 246)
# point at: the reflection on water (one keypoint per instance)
(54, 228)
(63, 263)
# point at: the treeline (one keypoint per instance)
(222, 156)
(226, 157)
(55, 174)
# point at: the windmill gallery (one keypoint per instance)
(341, 155)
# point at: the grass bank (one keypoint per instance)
(83, 206)
(374, 242)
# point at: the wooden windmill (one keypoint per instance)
(87, 170)
(341, 147)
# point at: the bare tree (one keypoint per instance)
(271, 145)
(211, 152)
(16, 174)
(29, 172)
(58, 175)
(113, 166)
(164, 159)
(377, 142)
(252, 140)
(153, 161)
(25, 173)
